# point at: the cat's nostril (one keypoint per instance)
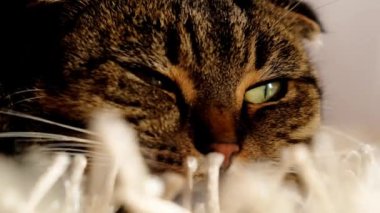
(227, 149)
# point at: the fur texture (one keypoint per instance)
(177, 70)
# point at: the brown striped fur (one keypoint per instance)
(178, 71)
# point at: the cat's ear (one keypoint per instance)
(301, 18)
(304, 21)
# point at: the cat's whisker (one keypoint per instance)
(74, 151)
(326, 4)
(54, 143)
(331, 155)
(35, 118)
(26, 100)
(35, 140)
(23, 91)
(341, 134)
(44, 135)
(76, 145)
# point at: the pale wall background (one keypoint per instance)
(349, 62)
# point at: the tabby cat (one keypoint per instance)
(191, 76)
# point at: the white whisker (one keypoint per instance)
(27, 100)
(47, 136)
(31, 117)
(35, 140)
(326, 4)
(342, 134)
(22, 92)
(77, 145)
(93, 154)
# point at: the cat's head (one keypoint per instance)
(192, 77)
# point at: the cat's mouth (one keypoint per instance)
(228, 150)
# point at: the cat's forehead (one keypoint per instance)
(209, 36)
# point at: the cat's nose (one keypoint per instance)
(214, 130)
(227, 149)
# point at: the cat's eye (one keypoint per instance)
(150, 76)
(263, 93)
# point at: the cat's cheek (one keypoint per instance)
(306, 131)
(72, 107)
(256, 149)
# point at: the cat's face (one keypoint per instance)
(191, 76)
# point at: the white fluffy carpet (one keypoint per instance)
(339, 174)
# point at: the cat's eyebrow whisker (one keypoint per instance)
(44, 135)
(31, 117)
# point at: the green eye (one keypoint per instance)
(263, 93)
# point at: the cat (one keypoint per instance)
(191, 76)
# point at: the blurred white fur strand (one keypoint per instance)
(339, 174)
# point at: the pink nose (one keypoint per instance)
(227, 149)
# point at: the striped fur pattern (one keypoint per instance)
(177, 70)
